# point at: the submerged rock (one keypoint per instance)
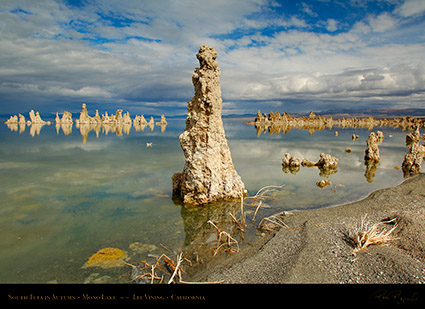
(140, 248)
(97, 278)
(323, 183)
(107, 258)
(209, 174)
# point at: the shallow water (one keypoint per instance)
(64, 198)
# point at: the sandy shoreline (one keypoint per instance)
(315, 251)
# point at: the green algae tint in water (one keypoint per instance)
(64, 199)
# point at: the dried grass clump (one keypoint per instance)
(367, 234)
(163, 268)
(258, 200)
(155, 273)
(239, 224)
(276, 222)
(265, 193)
(224, 241)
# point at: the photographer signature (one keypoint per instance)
(384, 296)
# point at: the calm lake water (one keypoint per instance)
(63, 198)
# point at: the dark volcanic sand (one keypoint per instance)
(316, 251)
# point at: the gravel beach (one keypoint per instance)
(315, 249)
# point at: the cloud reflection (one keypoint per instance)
(258, 160)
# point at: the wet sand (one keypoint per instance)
(314, 249)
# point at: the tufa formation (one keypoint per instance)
(372, 150)
(274, 123)
(209, 174)
(414, 157)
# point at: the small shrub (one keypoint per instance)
(367, 234)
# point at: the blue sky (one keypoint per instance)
(137, 55)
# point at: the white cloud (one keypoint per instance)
(306, 8)
(332, 25)
(82, 92)
(411, 8)
(382, 22)
(325, 66)
(132, 54)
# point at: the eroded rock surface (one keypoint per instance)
(36, 118)
(372, 151)
(12, 119)
(327, 164)
(66, 118)
(290, 164)
(290, 161)
(274, 123)
(413, 159)
(326, 161)
(163, 120)
(209, 174)
(372, 154)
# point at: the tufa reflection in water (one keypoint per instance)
(195, 219)
(119, 123)
(79, 202)
(328, 165)
(275, 123)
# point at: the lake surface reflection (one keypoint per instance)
(68, 193)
